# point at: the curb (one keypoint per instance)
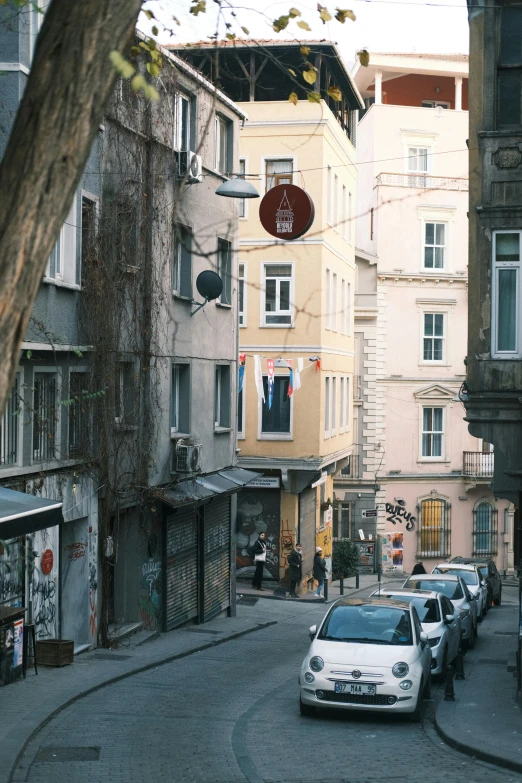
(304, 600)
(478, 753)
(124, 676)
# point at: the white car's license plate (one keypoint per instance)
(356, 688)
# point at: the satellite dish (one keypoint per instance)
(209, 285)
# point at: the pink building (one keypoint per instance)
(415, 461)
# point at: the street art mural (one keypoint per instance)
(44, 583)
(258, 512)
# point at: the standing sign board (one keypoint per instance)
(286, 212)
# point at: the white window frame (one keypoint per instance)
(496, 267)
(335, 301)
(19, 376)
(432, 404)
(242, 282)
(276, 175)
(350, 220)
(344, 207)
(444, 338)
(58, 373)
(348, 403)
(328, 297)
(333, 410)
(65, 251)
(263, 313)
(218, 394)
(266, 158)
(329, 199)
(435, 104)
(336, 203)
(243, 202)
(348, 315)
(343, 306)
(174, 398)
(341, 404)
(274, 435)
(418, 146)
(220, 126)
(435, 269)
(327, 407)
(225, 245)
(179, 99)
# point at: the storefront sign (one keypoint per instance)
(286, 212)
(266, 482)
(47, 562)
(397, 513)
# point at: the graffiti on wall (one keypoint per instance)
(11, 573)
(93, 581)
(44, 584)
(258, 512)
(149, 597)
(397, 513)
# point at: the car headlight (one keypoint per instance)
(317, 664)
(405, 685)
(309, 677)
(400, 669)
(434, 642)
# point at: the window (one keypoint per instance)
(433, 337)
(78, 410)
(417, 161)
(334, 406)
(222, 131)
(329, 203)
(434, 104)
(61, 266)
(278, 289)
(327, 407)
(344, 227)
(485, 531)
(241, 412)
(125, 394)
(348, 424)
(505, 294)
(333, 307)
(434, 528)
(432, 432)
(347, 312)
(89, 229)
(328, 289)
(182, 123)
(509, 74)
(336, 202)
(222, 396)
(182, 263)
(180, 399)
(241, 295)
(434, 245)
(45, 415)
(350, 220)
(343, 306)
(279, 172)
(10, 428)
(225, 270)
(276, 419)
(242, 201)
(341, 405)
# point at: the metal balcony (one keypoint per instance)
(478, 464)
(421, 181)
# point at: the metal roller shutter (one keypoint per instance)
(217, 557)
(182, 568)
(307, 525)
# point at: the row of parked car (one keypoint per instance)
(380, 653)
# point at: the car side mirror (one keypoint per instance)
(423, 637)
(483, 583)
(313, 631)
(449, 618)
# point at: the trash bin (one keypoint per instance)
(11, 643)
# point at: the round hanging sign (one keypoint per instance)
(47, 561)
(286, 212)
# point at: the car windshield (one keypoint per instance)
(483, 571)
(368, 624)
(451, 590)
(470, 577)
(427, 608)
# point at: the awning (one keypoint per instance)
(202, 488)
(21, 514)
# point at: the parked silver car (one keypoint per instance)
(454, 588)
(477, 585)
(438, 619)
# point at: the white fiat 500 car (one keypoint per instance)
(454, 588)
(367, 654)
(438, 619)
(473, 578)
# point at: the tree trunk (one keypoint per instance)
(70, 83)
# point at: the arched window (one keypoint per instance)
(434, 528)
(485, 529)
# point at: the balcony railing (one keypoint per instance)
(352, 469)
(422, 181)
(478, 464)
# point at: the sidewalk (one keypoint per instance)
(485, 720)
(273, 591)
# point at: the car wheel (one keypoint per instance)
(426, 694)
(306, 709)
(416, 715)
(499, 599)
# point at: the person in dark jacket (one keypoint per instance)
(295, 568)
(259, 554)
(418, 568)
(319, 570)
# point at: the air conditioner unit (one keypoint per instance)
(187, 459)
(190, 167)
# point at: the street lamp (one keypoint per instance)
(237, 188)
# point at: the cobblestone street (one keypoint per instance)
(231, 713)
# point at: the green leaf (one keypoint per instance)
(364, 57)
(149, 14)
(314, 97)
(198, 7)
(121, 65)
(28, 354)
(155, 30)
(343, 14)
(310, 76)
(175, 18)
(303, 25)
(305, 51)
(135, 51)
(231, 36)
(154, 69)
(145, 46)
(293, 98)
(324, 14)
(246, 30)
(281, 23)
(291, 71)
(335, 93)
(293, 12)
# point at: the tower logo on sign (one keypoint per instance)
(284, 216)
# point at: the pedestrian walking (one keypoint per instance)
(418, 568)
(259, 553)
(319, 570)
(295, 568)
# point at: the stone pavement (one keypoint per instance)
(485, 721)
(366, 582)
